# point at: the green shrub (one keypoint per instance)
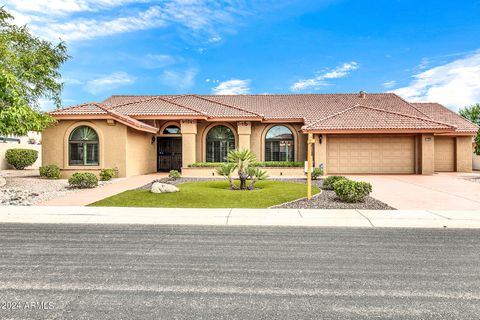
(477, 143)
(174, 174)
(83, 180)
(329, 181)
(268, 164)
(352, 191)
(106, 174)
(51, 171)
(21, 158)
(316, 173)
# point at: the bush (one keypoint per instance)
(106, 174)
(316, 173)
(352, 191)
(83, 180)
(268, 164)
(21, 158)
(174, 174)
(51, 171)
(329, 181)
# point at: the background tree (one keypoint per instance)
(29, 71)
(472, 113)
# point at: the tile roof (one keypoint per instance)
(438, 112)
(99, 109)
(315, 111)
(361, 117)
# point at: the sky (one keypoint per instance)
(422, 50)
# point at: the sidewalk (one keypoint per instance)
(242, 217)
(87, 196)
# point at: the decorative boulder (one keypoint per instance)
(159, 187)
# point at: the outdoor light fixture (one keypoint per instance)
(320, 139)
(153, 139)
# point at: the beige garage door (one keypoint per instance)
(370, 154)
(444, 154)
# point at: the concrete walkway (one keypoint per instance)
(242, 217)
(87, 196)
(441, 191)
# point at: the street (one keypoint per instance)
(186, 272)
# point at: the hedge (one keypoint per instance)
(50, 172)
(352, 191)
(267, 164)
(83, 180)
(21, 158)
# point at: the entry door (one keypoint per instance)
(169, 152)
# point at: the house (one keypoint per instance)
(354, 133)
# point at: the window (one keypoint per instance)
(220, 140)
(279, 144)
(83, 147)
(171, 130)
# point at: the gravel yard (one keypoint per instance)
(26, 187)
(327, 199)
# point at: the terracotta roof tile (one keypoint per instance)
(156, 105)
(440, 113)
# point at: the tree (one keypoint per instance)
(29, 72)
(242, 161)
(471, 113)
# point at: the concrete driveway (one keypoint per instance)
(441, 191)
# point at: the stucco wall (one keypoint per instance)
(112, 148)
(464, 154)
(140, 153)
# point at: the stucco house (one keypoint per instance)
(354, 133)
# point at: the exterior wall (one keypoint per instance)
(112, 146)
(427, 154)
(140, 156)
(189, 142)
(320, 151)
(463, 154)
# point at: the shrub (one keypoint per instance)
(329, 181)
(352, 191)
(51, 171)
(21, 158)
(106, 174)
(83, 180)
(316, 173)
(477, 143)
(174, 174)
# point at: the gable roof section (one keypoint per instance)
(96, 109)
(440, 113)
(156, 105)
(361, 117)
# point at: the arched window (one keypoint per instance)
(220, 140)
(172, 129)
(279, 144)
(83, 147)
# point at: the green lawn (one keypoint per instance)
(211, 194)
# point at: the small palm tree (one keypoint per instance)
(242, 161)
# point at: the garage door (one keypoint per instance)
(370, 154)
(444, 154)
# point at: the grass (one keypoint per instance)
(211, 194)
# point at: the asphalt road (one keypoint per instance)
(155, 272)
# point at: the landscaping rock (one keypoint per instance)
(2, 181)
(159, 187)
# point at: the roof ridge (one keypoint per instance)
(133, 102)
(331, 116)
(183, 106)
(448, 110)
(124, 117)
(407, 115)
(411, 104)
(75, 106)
(226, 105)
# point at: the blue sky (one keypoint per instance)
(422, 50)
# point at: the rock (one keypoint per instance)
(2, 181)
(159, 187)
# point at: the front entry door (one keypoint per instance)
(169, 153)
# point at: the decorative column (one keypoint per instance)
(188, 129)
(320, 153)
(244, 129)
(427, 153)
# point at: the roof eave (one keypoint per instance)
(375, 131)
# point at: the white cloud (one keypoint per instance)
(319, 80)
(154, 61)
(108, 82)
(233, 86)
(455, 84)
(182, 80)
(75, 20)
(390, 84)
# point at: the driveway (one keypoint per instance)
(441, 191)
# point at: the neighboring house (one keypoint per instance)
(354, 133)
(31, 141)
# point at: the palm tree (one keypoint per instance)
(242, 161)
